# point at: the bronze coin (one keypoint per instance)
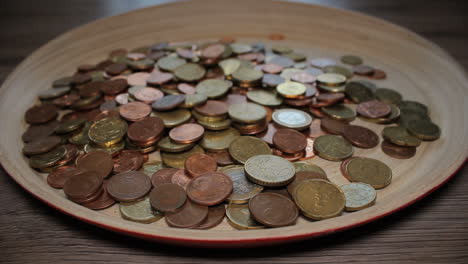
(35, 132)
(317, 112)
(114, 87)
(343, 167)
(396, 151)
(181, 178)
(72, 152)
(90, 89)
(116, 68)
(212, 108)
(128, 160)
(41, 114)
(163, 176)
(167, 197)
(81, 78)
(66, 100)
(82, 184)
(223, 158)
(210, 188)
(315, 129)
(128, 186)
(190, 215)
(103, 201)
(168, 102)
(287, 156)
(215, 217)
(186, 88)
(60, 175)
(148, 95)
(289, 140)
(41, 145)
(373, 109)
(99, 162)
(333, 126)
(186, 133)
(363, 70)
(199, 164)
(86, 67)
(304, 175)
(378, 75)
(134, 111)
(273, 210)
(361, 136)
(331, 97)
(145, 130)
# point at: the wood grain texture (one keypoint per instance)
(433, 230)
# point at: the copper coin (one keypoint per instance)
(163, 176)
(378, 75)
(41, 114)
(128, 186)
(116, 68)
(268, 134)
(114, 87)
(273, 210)
(103, 201)
(276, 36)
(287, 156)
(181, 178)
(373, 109)
(159, 78)
(72, 152)
(361, 136)
(215, 217)
(167, 197)
(309, 150)
(66, 100)
(90, 89)
(99, 162)
(199, 164)
(168, 102)
(316, 112)
(86, 67)
(333, 126)
(128, 160)
(82, 184)
(89, 198)
(343, 168)
(271, 68)
(105, 114)
(35, 132)
(148, 95)
(396, 151)
(331, 97)
(190, 215)
(138, 79)
(60, 175)
(251, 129)
(103, 64)
(186, 133)
(289, 140)
(186, 88)
(210, 188)
(145, 130)
(212, 108)
(41, 145)
(81, 78)
(223, 158)
(305, 175)
(315, 129)
(134, 111)
(363, 70)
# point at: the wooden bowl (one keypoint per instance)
(417, 68)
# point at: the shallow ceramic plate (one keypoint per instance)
(417, 68)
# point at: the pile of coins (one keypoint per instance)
(179, 130)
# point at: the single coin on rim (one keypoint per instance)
(98, 161)
(209, 188)
(128, 186)
(167, 197)
(289, 140)
(361, 136)
(273, 210)
(189, 215)
(186, 133)
(373, 109)
(199, 164)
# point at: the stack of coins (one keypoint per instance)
(195, 132)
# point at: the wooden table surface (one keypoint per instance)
(434, 230)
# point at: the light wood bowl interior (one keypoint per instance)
(415, 67)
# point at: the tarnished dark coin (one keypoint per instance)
(39, 131)
(60, 175)
(41, 145)
(361, 136)
(41, 114)
(289, 140)
(273, 210)
(99, 162)
(103, 201)
(215, 216)
(397, 151)
(209, 188)
(114, 87)
(167, 197)
(333, 126)
(128, 186)
(424, 130)
(82, 184)
(373, 109)
(190, 215)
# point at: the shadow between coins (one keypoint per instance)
(353, 235)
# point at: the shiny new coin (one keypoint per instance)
(292, 118)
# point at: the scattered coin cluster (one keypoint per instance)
(197, 132)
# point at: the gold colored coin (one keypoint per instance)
(335, 69)
(340, 112)
(247, 113)
(174, 118)
(189, 72)
(264, 97)
(215, 125)
(47, 159)
(229, 66)
(81, 138)
(170, 63)
(248, 75)
(269, 170)
(192, 100)
(306, 166)
(358, 195)
(332, 147)
(399, 135)
(319, 199)
(331, 79)
(213, 88)
(239, 217)
(424, 129)
(107, 131)
(167, 145)
(140, 211)
(243, 189)
(69, 126)
(245, 147)
(177, 160)
(370, 171)
(332, 88)
(112, 149)
(291, 89)
(219, 140)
